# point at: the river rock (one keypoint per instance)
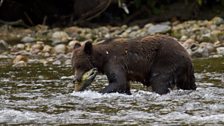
(2, 92)
(71, 44)
(20, 46)
(3, 45)
(20, 58)
(159, 28)
(220, 50)
(28, 46)
(218, 34)
(20, 61)
(60, 48)
(217, 21)
(190, 44)
(47, 48)
(183, 38)
(208, 38)
(60, 37)
(37, 47)
(204, 50)
(67, 62)
(20, 64)
(57, 62)
(27, 39)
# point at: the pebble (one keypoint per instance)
(60, 36)
(20, 61)
(159, 28)
(3, 45)
(37, 47)
(208, 38)
(44, 62)
(46, 54)
(60, 48)
(47, 48)
(27, 39)
(207, 45)
(217, 20)
(28, 46)
(68, 62)
(71, 45)
(2, 92)
(220, 50)
(57, 62)
(203, 38)
(190, 44)
(183, 38)
(20, 46)
(20, 58)
(203, 50)
(20, 64)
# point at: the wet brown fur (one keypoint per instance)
(157, 61)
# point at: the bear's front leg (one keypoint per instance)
(117, 81)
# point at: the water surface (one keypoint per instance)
(39, 94)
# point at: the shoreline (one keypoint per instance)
(41, 44)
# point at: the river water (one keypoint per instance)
(39, 94)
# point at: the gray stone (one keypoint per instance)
(60, 48)
(208, 38)
(3, 45)
(60, 37)
(27, 39)
(57, 62)
(159, 28)
(20, 46)
(217, 20)
(190, 44)
(204, 50)
(2, 92)
(20, 61)
(71, 45)
(47, 48)
(68, 62)
(20, 64)
(220, 50)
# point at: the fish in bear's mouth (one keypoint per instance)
(87, 79)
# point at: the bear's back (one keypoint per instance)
(142, 46)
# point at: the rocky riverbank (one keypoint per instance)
(41, 44)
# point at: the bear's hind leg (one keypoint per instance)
(161, 83)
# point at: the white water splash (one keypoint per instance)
(95, 95)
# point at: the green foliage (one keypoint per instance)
(137, 3)
(157, 7)
(222, 2)
(151, 3)
(199, 2)
(148, 3)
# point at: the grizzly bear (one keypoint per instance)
(157, 61)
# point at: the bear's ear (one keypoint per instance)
(88, 47)
(77, 45)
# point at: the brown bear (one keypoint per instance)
(157, 61)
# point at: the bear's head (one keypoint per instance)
(82, 59)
